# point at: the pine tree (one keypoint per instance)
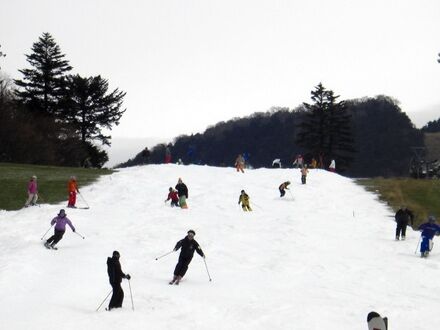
(42, 85)
(89, 107)
(325, 131)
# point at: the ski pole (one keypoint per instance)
(164, 255)
(207, 271)
(257, 206)
(79, 235)
(290, 193)
(46, 232)
(131, 296)
(417, 247)
(84, 200)
(104, 300)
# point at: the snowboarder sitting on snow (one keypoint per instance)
(173, 196)
(244, 200)
(428, 229)
(115, 276)
(403, 217)
(182, 190)
(188, 245)
(283, 188)
(60, 223)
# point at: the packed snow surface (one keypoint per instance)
(320, 258)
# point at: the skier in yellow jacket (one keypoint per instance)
(244, 200)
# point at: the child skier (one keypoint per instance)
(244, 200)
(60, 222)
(182, 190)
(283, 188)
(115, 276)
(172, 195)
(428, 229)
(188, 245)
(72, 188)
(304, 172)
(32, 192)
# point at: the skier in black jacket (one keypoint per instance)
(403, 217)
(182, 190)
(188, 245)
(115, 276)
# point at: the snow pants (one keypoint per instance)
(182, 266)
(282, 192)
(32, 199)
(245, 206)
(174, 203)
(401, 229)
(117, 296)
(72, 199)
(182, 202)
(56, 237)
(426, 244)
(303, 179)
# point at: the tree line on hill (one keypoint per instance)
(53, 117)
(367, 137)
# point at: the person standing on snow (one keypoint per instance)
(240, 163)
(428, 229)
(304, 172)
(115, 276)
(182, 190)
(332, 167)
(188, 245)
(403, 217)
(72, 188)
(172, 195)
(32, 192)
(244, 200)
(282, 188)
(60, 222)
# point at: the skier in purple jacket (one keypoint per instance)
(60, 222)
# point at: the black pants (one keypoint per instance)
(182, 266)
(175, 203)
(56, 237)
(282, 192)
(401, 228)
(303, 179)
(117, 297)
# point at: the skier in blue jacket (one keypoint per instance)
(428, 229)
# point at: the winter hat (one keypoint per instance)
(116, 254)
(191, 232)
(431, 218)
(34, 177)
(242, 191)
(62, 213)
(73, 177)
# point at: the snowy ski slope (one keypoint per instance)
(320, 260)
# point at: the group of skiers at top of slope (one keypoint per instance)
(32, 190)
(429, 229)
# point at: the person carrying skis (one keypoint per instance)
(188, 245)
(172, 195)
(304, 172)
(32, 192)
(244, 200)
(182, 190)
(239, 163)
(115, 276)
(60, 222)
(428, 229)
(72, 188)
(283, 188)
(403, 217)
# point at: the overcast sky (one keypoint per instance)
(187, 64)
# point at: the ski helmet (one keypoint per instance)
(116, 254)
(62, 213)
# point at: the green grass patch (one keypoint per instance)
(52, 182)
(421, 196)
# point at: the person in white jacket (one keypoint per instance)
(332, 167)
